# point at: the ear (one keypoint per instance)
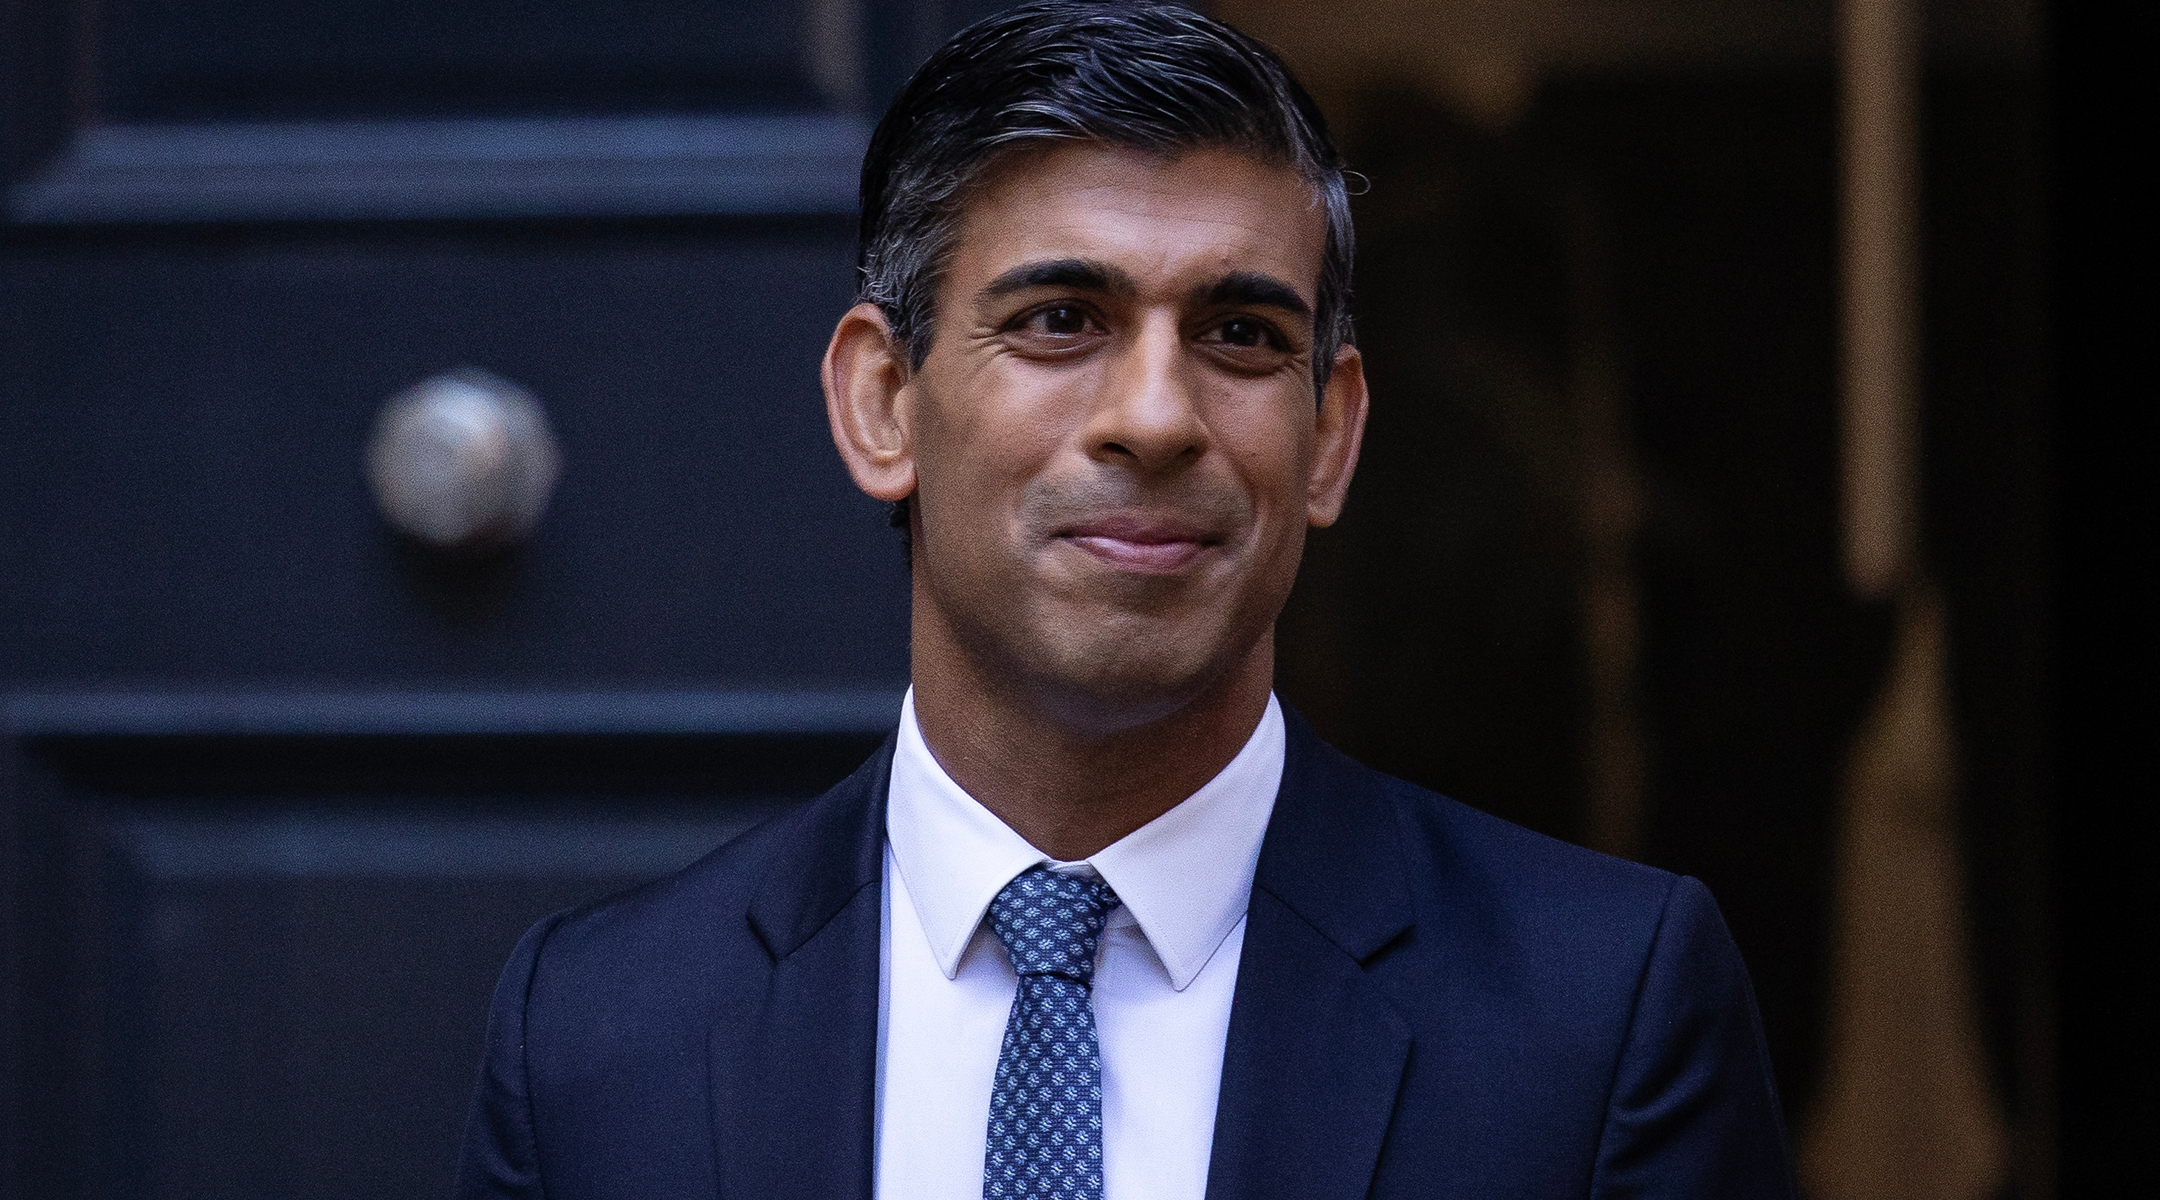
(1339, 431)
(870, 404)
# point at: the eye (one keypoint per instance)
(1243, 331)
(1246, 333)
(1059, 320)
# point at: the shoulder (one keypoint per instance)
(1464, 853)
(1470, 863)
(1501, 909)
(1582, 1016)
(603, 1019)
(683, 942)
(602, 942)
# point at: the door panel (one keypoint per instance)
(183, 59)
(260, 966)
(186, 424)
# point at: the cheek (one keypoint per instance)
(982, 439)
(1271, 449)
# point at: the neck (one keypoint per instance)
(1060, 781)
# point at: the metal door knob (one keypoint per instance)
(463, 460)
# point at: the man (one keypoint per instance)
(1103, 919)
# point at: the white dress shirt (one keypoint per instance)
(1164, 974)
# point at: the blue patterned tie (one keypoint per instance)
(1046, 1107)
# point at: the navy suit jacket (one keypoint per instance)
(1431, 1002)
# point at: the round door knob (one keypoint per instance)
(463, 460)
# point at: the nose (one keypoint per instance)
(1148, 416)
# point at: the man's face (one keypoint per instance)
(1115, 435)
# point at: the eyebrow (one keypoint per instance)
(1253, 288)
(1089, 275)
(1080, 274)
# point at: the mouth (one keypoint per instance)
(1142, 542)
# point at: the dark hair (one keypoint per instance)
(1156, 77)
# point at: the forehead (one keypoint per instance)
(1168, 220)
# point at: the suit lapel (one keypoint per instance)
(794, 1083)
(1315, 1052)
(1311, 1066)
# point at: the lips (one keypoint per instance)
(1148, 543)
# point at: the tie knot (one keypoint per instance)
(1050, 923)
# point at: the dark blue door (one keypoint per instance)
(280, 785)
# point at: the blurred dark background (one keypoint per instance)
(280, 786)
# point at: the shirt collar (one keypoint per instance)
(1186, 876)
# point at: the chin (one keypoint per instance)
(1122, 678)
